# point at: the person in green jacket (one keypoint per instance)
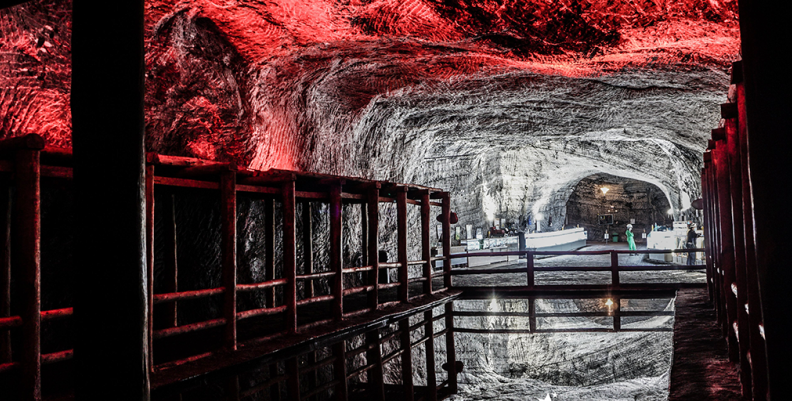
(630, 237)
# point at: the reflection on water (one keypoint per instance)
(538, 348)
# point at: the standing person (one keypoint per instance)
(691, 243)
(630, 237)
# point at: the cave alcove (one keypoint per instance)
(626, 199)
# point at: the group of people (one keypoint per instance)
(690, 241)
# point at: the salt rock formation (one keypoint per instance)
(505, 103)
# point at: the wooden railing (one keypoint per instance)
(530, 269)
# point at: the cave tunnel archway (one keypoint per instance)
(628, 200)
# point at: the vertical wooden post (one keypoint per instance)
(737, 231)
(758, 352)
(150, 259)
(401, 235)
(308, 247)
(375, 375)
(705, 215)
(293, 380)
(312, 379)
(616, 313)
(727, 248)
(431, 378)
(426, 245)
(275, 389)
(340, 370)
(532, 314)
(406, 359)
(170, 309)
(27, 174)
(6, 214)
(614, 269)
(529, 258)
(289, 258)
(228, 244)
(373, 246)
(363, 234)
(446, 210)
(336, 260)
(450, 348)
(269, 249)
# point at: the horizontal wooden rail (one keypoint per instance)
(188, 328)
(260, 312)
(10, 322)
(262, 285)
(358, 269)
(355, 290)
(321, 298)
(388, 285)
(570, 314)
(314, 276)
(55, 357)
(180, 296)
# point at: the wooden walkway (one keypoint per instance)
(701, 369)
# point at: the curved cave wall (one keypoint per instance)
(626, 199)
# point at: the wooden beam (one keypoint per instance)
(307, 223)
(375, 375)
(406, 359)
(446, 210)
(336, 251)
(401, 235)
(27, 255)
(340, 371)
(431, 377)
(289, 259)
(373, 246)
(171, 276)
(149, 190)
(228, 245)
(426, 245)
(450, 348)
(6, 215)
(269, 249)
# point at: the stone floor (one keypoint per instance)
(701, 369)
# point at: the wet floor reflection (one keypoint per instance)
(509, 348)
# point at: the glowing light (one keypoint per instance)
(539, 216)
(604, 190)
(609, 302)
(670, 211)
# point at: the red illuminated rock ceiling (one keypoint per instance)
(207, 59)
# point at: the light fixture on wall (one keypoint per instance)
(604, 190)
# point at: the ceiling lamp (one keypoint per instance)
(604, 190)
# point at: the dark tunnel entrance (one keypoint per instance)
(627, 200)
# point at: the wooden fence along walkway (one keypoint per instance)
(732, 271)
(287, 314)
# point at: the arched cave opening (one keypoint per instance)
(629, 201)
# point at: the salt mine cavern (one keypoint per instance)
(394, 200)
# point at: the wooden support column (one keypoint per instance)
(375, 375)
(727, 248)
(614, 269)
(446, 210)
(450, 348)
(364, 234)
(373, 246)
(170, 309)
(531, 279)
(431, 377)
(532, 314)
(6, 215)
(758, 355)
(336, 255)
(111, 292)
(738, 232)
(426, 245)
(228, 245)
(307, 223)
(705, 216)
(293, 380)
(275, 389)
(406, 359)
(340, 370)
(150, 259)
(289, 255)
(401, 235)
(269, 249)
(616, 313)
(27, 264)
